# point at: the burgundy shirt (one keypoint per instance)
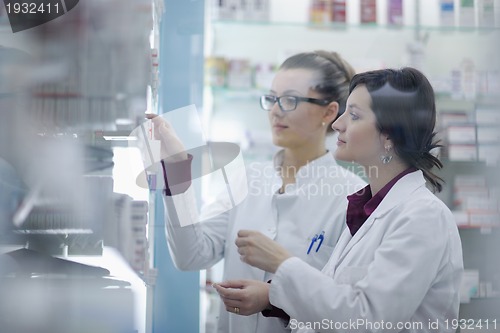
(362, 204)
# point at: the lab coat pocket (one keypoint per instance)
(319, 259)
(351, 275)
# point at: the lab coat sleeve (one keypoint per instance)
(194, 244)
(396, 281)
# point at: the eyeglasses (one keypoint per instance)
(288, 103)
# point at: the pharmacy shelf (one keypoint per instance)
(478, 226)
(339, 26)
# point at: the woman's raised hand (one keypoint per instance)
(172, 149)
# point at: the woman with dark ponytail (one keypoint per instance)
(403, 104)
(398, 266)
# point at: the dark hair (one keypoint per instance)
(405, 109)
(335, 74)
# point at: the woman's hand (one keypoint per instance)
(260, 251)
(172, 148)
(244, 297)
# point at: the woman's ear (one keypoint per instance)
(331, 113)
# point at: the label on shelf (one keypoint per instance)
(395, 12)
(485, 13)
(466, 15)
(368, 11)
(338, 11)
(215, 71)
(239, 74)
(447, 13)
(319, 11)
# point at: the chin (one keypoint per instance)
(279, 142)
(341, 157)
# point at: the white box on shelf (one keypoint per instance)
(487, 116)
(489, 153)
(470, 180)
(488, 134)
(461, 134)
(484, 219)
(485, 13)
(462, 152)
(461, 194)
(447, 118)
(480, 205)
(470, 285)
(461, 217)
(447, 13)
(467, 13)
(282, 11)
(239, 74)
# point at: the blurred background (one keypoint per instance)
(82, 246)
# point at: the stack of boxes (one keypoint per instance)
(238, 73)
(129, 231)
(473, 136)
(244, 10)
(488, 134)
(476, 202)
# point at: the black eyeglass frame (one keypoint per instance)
(298, 99)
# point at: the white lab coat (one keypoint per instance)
(316, 202)
(403, 265)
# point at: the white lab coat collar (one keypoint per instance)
(399, 192)
(402, 190)
(321, 166)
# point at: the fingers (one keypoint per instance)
(229, 293)
(151, 115)
(157, 120)
(247, 233)
(233, 284)
(246, 237)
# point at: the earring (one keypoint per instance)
(323, 123)
(386, 158)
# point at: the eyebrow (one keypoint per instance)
(355, 106)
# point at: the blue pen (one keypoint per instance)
(321, 237)
(312, 243)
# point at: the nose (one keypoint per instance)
(276, 110)
(338, 125)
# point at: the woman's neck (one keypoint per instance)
(294, 159)
(380, 175)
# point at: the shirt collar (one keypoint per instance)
(373, 203)
(362, 204)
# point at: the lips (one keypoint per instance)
(340, 140)
(279, 126)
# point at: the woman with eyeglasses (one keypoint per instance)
(398, 266)
(298, 199)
